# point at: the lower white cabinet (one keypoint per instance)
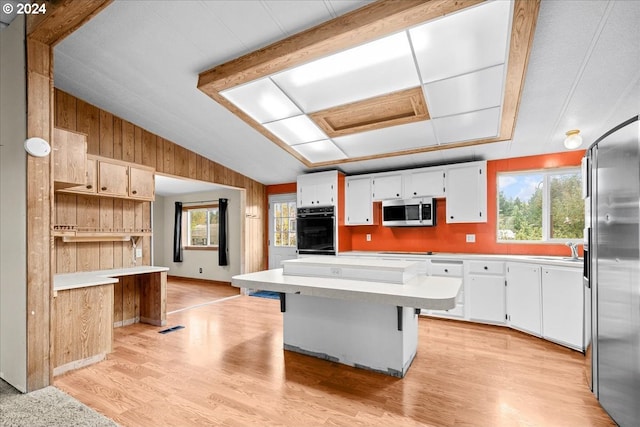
(486, 298)
(523, 297)
(563, 306)
(448, 268)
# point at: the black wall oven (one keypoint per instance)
(316, 230)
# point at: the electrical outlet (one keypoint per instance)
(368, 237)
(138, 252)
(336, 271)
(200, 270)
(471, 238)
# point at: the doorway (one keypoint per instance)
(282, 229)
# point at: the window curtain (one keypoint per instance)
(177, 234)
(222, 232)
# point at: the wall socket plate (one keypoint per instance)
(368, 237)
(138, 252)
(471, 238)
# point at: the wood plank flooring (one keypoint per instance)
(227, 368)
(183, 293)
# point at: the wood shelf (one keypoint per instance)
(74, 234)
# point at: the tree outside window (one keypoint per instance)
(284, 230)
(201, 227)
(540, 206)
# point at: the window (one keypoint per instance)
(540, 206)
(200, 227)
(284, 230)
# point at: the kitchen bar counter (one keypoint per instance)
(350, 319)
(99, 277)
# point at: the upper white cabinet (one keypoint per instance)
(425, 183)
(358, 203)
(318, 189)
(466, 190)
(523, 297)
(387, 187)
(563, 306)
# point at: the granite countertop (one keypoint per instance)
(66, 281)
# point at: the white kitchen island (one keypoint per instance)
(358, 312)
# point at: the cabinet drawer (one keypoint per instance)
(486, 267)
(446, 269)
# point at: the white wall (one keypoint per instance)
(13, 208)
(193, 260)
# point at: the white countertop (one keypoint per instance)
(535, 259)
(434, 293)
(84, 279)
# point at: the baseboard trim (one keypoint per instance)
(203, 281)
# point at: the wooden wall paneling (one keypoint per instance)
(137, 144)
(88, 122)
(159, 154)
(168, 148)
(118, 211)
(128, 141)
(65, 110)
(118, 303)
(129, 300)
(65, 213)
(83, 325)
(39, 212)
(128, 222)
(193, 160)
(106, 134)
(153, 298)
(181, 160)
(148, 149)
(106, 223)
(212, 171)
(117, 138)
(146, 241)
(88, 215)
(199, 167)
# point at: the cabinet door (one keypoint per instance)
(486, 298)
(425, 183)
(113, 179)
(523, 297)
(319, 189)
(467, 193)
(69, 158)
(325, 194)
(358, 204)
(563, 306)
(90, 180)
(142, 183)
(387, 187)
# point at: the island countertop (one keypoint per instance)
(432, 293)
(83, 279)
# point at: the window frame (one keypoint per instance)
(186, 232)
(546, 204)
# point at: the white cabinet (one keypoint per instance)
(358, 203)
(486, 294)
(563, 306)
(523, 297)
(425, 182)
(318, 189)
(448, 268)
(387, 187)
(466, 192)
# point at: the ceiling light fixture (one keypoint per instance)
(573, 139)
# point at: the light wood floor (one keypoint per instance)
(183, 293)
(227, 368)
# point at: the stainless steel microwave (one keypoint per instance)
(419, 212)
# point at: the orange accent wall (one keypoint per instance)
(451, 237)
(289, 187)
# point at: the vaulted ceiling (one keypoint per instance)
(141, 61)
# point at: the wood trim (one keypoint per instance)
(200, 248)
(367, 23)
(402, 107)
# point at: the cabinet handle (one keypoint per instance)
(104, 188)
(415, 193)
(451, 217)
(134, 192)
(397, 195)
(89, 187)
(486, 268)
(446, 270)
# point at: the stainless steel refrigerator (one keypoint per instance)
(612, 271)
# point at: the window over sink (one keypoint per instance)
(540, 206)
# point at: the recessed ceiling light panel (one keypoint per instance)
(468, 127)
(296, 130)
(320, 151)
(466, 41)
(262, 100)
(469, 92)
(383, 66)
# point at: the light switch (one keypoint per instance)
(138, 252)
(368, 237)
(471, 238)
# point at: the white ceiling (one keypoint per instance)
(171, 186)
(140, 60)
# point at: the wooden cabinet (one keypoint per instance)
(425, 183)
(141, 183)
(524, 297)
(387, 187)
(486, 293)
(69, 158)
(563, 306)
(466, 192)
(113, 179)
(91, 176)
(358, 204)
(318, 189)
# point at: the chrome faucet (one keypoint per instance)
(574, 249)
